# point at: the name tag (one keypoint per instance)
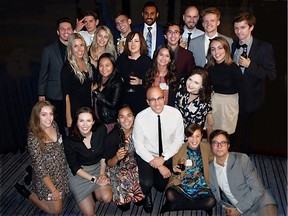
(164, 86)
(188, 162)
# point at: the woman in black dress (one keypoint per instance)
(133, 64)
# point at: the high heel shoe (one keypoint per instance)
(22, 190)
(28, 177)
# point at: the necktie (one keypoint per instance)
(160, 136)
(189, 39)
(149, 41)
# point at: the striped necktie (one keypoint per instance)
(149, 41)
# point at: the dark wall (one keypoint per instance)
(27, 25)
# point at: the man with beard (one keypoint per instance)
(152, 32)
(53, 57)
(190, 19)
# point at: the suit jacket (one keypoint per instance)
(181, 156)
(159, 34)
(49, 83)
(244, 183)
(262, 65)
(184, 62)
(198, 48)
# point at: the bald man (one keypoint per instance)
(190, 18)
(155, 165)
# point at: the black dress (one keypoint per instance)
(136, 99)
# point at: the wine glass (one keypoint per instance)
(131, 89)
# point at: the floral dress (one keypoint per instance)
(193, 184)
(49, 161)
(194, 111)
(124, 175)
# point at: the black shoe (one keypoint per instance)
(29, 169)
(165, 207)
(125, 207)
(147, 205)
(209, 212)
(139, 203)
(22, 190)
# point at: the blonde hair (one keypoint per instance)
(109, 48)
(72, 60)
(34, 122)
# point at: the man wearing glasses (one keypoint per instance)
(158, 133)
(184, 58)
(235, 183)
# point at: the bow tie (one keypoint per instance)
(238, 46)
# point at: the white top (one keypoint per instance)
(87, 37)
(195, 33)
(221, 174)
(145, 133)
(154, 35)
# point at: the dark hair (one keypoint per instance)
(150, 4)
(218, 132)
(121, 13)
(99, 75)
(170, 77)
(166, 27)
(74, 133)
(91, 13)
(123, 106)
(63, 19)
(143, 46)
(211, 10)
(191, 128)
(250, 18)
(205, 91)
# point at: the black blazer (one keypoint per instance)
(109, 99)
(49, 83)
(262, 65)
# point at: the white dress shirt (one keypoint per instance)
(195, 33)
(87, 37)
(145, 133)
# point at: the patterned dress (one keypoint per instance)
(194, 111)
(124, 175)
(193, 184)
(49, 161)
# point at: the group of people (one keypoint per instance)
(132, 111)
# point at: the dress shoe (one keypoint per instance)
(22, 190)
(147, 205)
(209, 212)
(125, 207)
(28, 177)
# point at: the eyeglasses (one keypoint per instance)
(173, 32)
(153, 100)
(222, 143)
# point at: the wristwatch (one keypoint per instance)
(93, 179)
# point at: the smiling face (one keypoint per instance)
(105, 67)
(64, 31)
(210, 23)
(195, 139)
(134, 45)
(102, 38)
(194, 83)
(150, 15)
(123, 24)
(163, 58)
(217, 51)
(46, 117)
(78, 48)
(84, 123)
(191, 17)
(155, 99)
(125, 118)
(173, 35)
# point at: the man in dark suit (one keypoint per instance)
(259, 65)
(53, 58)
(184, 58)
(235, 183)
(150, 13)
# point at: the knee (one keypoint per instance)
(107, 197)
(146, 186)
(56, 210)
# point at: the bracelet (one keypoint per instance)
(54, 190)
(93, 179)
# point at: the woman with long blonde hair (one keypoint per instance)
(76, 77)
(103, 43)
